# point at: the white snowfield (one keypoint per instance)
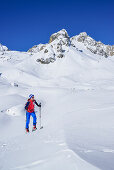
(77, 96)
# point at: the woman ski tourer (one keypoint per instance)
(29, 106)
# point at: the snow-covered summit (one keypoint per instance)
(60, 42)
(3, 48)
(95, 47)
(60, 35)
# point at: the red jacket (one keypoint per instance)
(30, 108)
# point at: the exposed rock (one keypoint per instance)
(3, 48)
(92, 45)
(60, 43)
(110, 50)
(93, 51)
(42, 47)
(59, 35)
(46, 61)
(14, 84)
(111, 53)
(59, 47)
(82, 37)
(46, 51)
(60, 56)
(37, 48)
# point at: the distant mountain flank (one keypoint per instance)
(82, 41)
(96, 47)
(60, 45)
(63, 59)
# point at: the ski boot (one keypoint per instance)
(27, 130)
(34, 128)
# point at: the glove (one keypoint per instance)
(39, 105)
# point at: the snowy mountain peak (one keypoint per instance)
(84, 34)
(88, 43)
(57, 39)
(59, 35)
(60, 42)
(3, 48)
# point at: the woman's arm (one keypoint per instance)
(39, 105)
(26, 105)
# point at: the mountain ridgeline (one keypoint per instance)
(60, 43)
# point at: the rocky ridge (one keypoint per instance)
(3, 48)
(60, 42)
(95, 47)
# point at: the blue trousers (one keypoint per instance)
(28, 118)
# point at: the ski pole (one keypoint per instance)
(40, 117)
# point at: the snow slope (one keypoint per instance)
(77, 93)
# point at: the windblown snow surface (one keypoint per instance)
(77, 96)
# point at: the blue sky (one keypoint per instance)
(25, 23)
